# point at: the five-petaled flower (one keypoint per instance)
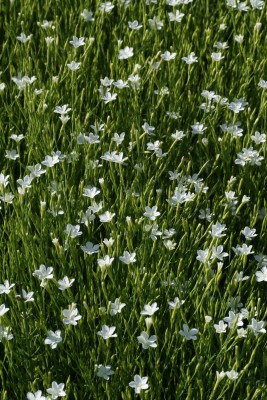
(56, 390)
(71, 316)
(107, 332)
(189, 334)
(147, 341)
(139, 383)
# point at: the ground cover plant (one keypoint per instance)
(133, 201)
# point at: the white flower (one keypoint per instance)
(249, 233)
(203, 256)
(151, 213)
(167, 56)
(242, 333)
(23, 38)
(155, 23)
(114, 157)
(189, 334)
(176, 303)
(257, 327)
(262, 83)
(116, 307)
(134, 25)
(73, 231)
(207, 319)
(77, 42)
(49, 40)
(36, 170)
(108, 97)
(178, 135)
(147, 341)
(3, 310)
(217, 252)
(198, 128)
(128, 258)
(135, 81)
(50, 161)
(258, 138)
(74, 66)
(90, 248)
(177, 17)
(120, 84)
(56, 390)
(243, 250)
(108, 242)
(217, 56)
(91, 192)
(2, 86)
(150, 310)
(6, 287)
(169, 244)
(149, 129)
(106, 7)
(248, 156)
(104, 371)
(221, 327)
(4, 180)
(11, 154)
(105, 262)
(7, 198)
(125, 53)
(237, 105)
(261, 276)
(36, 396)
(118, 139)
(87, 16)
(257, 4)
(106, 217)
(190, 59)
(217, 230)
(17, 138)
(44, 273)
(233, 375)
(233, 320)
(139, 383)
(71, 315)
(239, 38)
(25, 183)
(62, 110)
(53, 339)
(240, 277)
(65, 283)
(107, 332)
(168, 233)
(153, 231)
(220, 375)
(26, 296)
(221, 45)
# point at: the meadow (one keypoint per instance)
(133, 200)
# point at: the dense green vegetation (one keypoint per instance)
(133, 196)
